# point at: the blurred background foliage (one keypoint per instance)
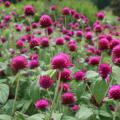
(87, 7)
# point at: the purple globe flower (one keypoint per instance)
(45, 21)
(29, 10)
(68, 98)
(114, 92)
(45, 81)
(42, 104)
(79, 75)
(104, 70)
(18, 63)
(116, 55)
(60, 61)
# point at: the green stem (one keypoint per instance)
(55, 96)
(65, 22)
(16, 94)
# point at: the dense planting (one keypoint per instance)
(58, 67)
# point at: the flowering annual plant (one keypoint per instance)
(59, 66)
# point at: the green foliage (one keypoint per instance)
(83, 6)
(101, 4)
(115, 5)
(4, 92)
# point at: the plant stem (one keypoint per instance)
(16, 94)
(55, 96)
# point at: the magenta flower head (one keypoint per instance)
(75, 108)
(114, 92)
(100, 15)
(45, 82)
(44, 42)
(114, 42)
(59, 41)
(34, 25)
(68, 98)
(42, 104)
(65, 87)
(34, 42)
(53, 7)
(29, 10)
(104, 70)
(94, 60)
(49, 30)
(67, 37)
(79, 75)
(103, 44)
(18, 63)
(45, 21)
(60, 61)
(116, 55)
(79, 33)
(19, 44)
(65, 75)
(66, 11)
(88, 35)
(7, 4)
(7, 18)
(72, 47)
(98, 28)
(33, 63)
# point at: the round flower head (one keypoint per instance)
(45, 21)
(59, 41)
(100, 15)
(29, 10)
(68, 98)
(65, 87)
(42, 104)
(98, 28)
(60, 61)
(79, 33)
(103, 44)
(7, 4)
(34, 42)
(104, 70)
(18, 63)
(44, 42)
(65, 75)
(19, 44)
(88, 35)
(66, 11)
(75, 108)
(116, 55)
(72, 47)
(114, 92)
(53, 7)
(45, 82)
(33, 63)
(34, 25)
(114, 42)
(94, 60)
(79, 75)
(49, 30)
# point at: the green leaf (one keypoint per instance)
(116, 73)
(85, 113)
(5, 117)
(99, 90)
(57, 116)
(36, 117)
(91, 74)
(35, 91)
(68, 118)
(4, 92)
(26, 105)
